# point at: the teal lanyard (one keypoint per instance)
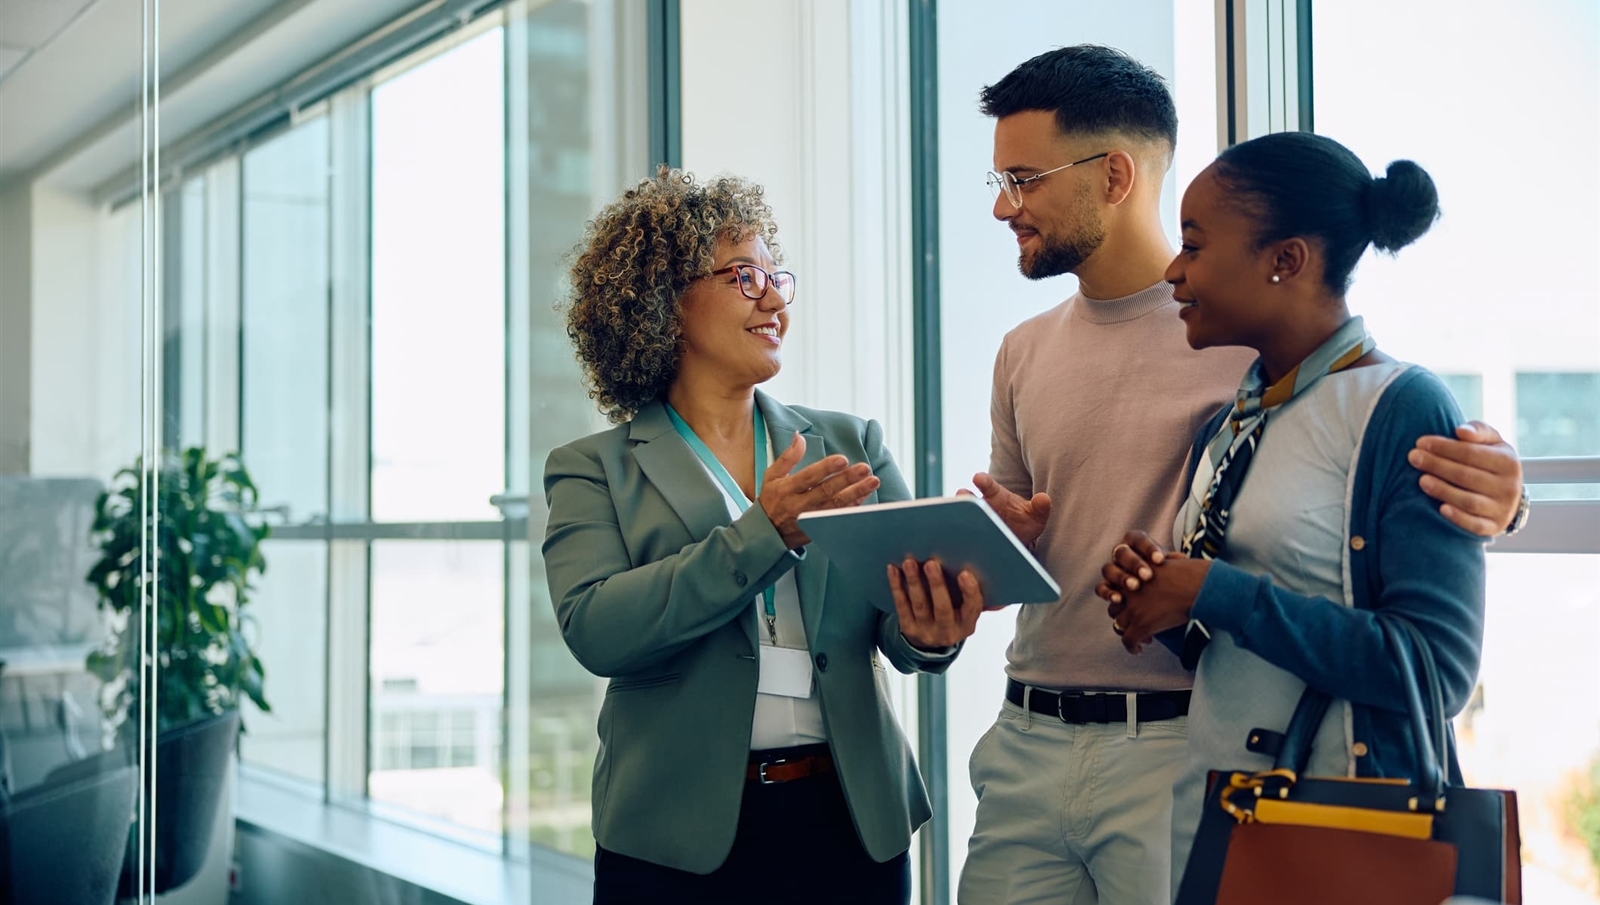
(732, 487)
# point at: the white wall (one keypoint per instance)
(85, 392)
(69, 334)
(831, 84)
(831, 79)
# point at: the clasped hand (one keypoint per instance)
(1148, 589)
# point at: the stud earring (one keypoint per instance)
(1276, 279)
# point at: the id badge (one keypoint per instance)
(785, 671)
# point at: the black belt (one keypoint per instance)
(1099, 707)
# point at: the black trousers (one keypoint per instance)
(795, 844)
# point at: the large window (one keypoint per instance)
(438, 418)
(1559, 415)
(1491, 292)
(283, 401)
(438, 286)
(383, 346)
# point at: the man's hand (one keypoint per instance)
(930, 618)
(1025, 517)
(1477, 477)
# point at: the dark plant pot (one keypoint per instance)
(191, 773)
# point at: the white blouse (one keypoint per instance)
(780, 722)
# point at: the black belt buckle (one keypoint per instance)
(1080, 704)
(1090, 707)
(1061, 701)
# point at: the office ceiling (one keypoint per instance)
(72, 71)
(28, 25)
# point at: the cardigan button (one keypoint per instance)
(1358, 542)
(822, 662)
(740, 580)
(1359, 749)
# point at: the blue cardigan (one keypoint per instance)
(1405, 559)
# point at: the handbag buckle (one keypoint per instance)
(1438, 805)
(1275, 783)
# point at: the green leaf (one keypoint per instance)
(207, 547)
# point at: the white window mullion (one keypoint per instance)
(518, 690)
(348, 461)
(222, 306)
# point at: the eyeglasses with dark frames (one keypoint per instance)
(1012, 186)
(754, 282)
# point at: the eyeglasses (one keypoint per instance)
(754, 282)
(1012, 186)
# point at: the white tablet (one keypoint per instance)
(962, 531)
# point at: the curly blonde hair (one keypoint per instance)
(638, 256)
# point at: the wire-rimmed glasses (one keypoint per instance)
(1006, 182)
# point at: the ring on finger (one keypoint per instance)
(1118, 627)
(1119, 547)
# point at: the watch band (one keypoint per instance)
(1520, 520)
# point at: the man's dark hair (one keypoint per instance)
(1090, 89)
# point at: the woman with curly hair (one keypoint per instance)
(748, 750)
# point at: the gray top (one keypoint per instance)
(1289, 522)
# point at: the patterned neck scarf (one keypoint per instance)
(1227, 457)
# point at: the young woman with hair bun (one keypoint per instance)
(1304, 519)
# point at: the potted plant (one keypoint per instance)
(207, 544)
(206, 540)
(205, 535)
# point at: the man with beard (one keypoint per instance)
(1095, 405)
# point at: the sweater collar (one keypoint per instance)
(1127, 308)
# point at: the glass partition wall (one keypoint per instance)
(365, 309)
(280, 363)
(98, 720)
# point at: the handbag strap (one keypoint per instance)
(1295, 752)
(1438, 725)
(1425, 703)
(1427, 715)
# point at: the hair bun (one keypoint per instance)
(1401, 205)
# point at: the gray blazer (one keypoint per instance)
(653, 587)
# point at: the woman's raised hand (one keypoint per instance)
(832, 483)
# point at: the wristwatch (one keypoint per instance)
(1520, 520)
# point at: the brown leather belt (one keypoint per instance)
(769, 770)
